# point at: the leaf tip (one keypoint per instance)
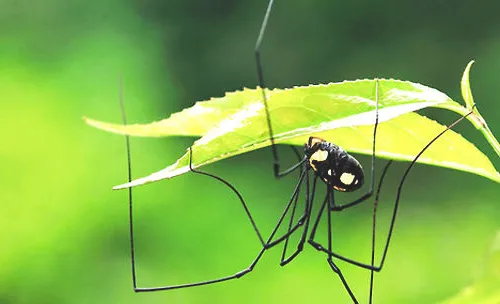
(465, 86)
(87, 120)
(137, 182)
(168, 172)
(91, 122)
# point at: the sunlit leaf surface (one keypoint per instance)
(343, 113)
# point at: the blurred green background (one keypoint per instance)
(64, 236)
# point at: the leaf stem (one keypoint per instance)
(487, 133)
(476, 119)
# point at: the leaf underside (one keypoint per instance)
(343, 113)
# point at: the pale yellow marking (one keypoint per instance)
(339, 189)
(330, 172)
(312, 165)
(318, 156)
(347, 178)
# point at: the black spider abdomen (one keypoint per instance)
(335, 166)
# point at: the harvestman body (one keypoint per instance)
(334, 165)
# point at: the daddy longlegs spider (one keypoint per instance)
(325, 161)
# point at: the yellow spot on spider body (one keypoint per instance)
(339, 189)
(347, 178)
(318, 156)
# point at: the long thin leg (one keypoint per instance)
(301, 160)
(293, 167)
(230, 187)
(374, 226)
(329, 259)
(395, 210)
(260, 74)
(297, 153)
(308, 209)
(129, 173)
(331, 202)
(290, 225)
(226, 278)
(401, 183)
(238, 274)
(295, 193)
(131, 224)
(320, 214)
(276, 170)
(292, 216)
(372, 178)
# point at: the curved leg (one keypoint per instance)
(329, 252)
(277, 174)
(400, 188)
(131, 225)
(260, 74)
(330, 259)
(290, 225)
(307, 213)
(230, 187)
(394, 212)
(372, 174)
(329, 200)
(268, 244)
(320, 214)
(292, 201)
(374, 226)
(293, 167)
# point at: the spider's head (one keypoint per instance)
(313, 145)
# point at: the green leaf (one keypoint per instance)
(486, 289)
(339, 112)
(476, 119)
(465, 87)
